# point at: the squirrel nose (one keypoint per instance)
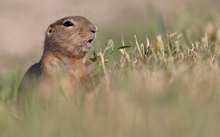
(93, 29)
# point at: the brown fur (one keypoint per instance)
(63, 64)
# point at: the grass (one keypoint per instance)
(166, 85)
(161, 89)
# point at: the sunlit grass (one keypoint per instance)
(167, 88)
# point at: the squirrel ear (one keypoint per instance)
(50, 30)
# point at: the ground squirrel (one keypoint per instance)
(63, 64)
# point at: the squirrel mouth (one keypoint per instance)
(87, 44)
(90, 41)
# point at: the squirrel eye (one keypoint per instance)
(68, 24)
